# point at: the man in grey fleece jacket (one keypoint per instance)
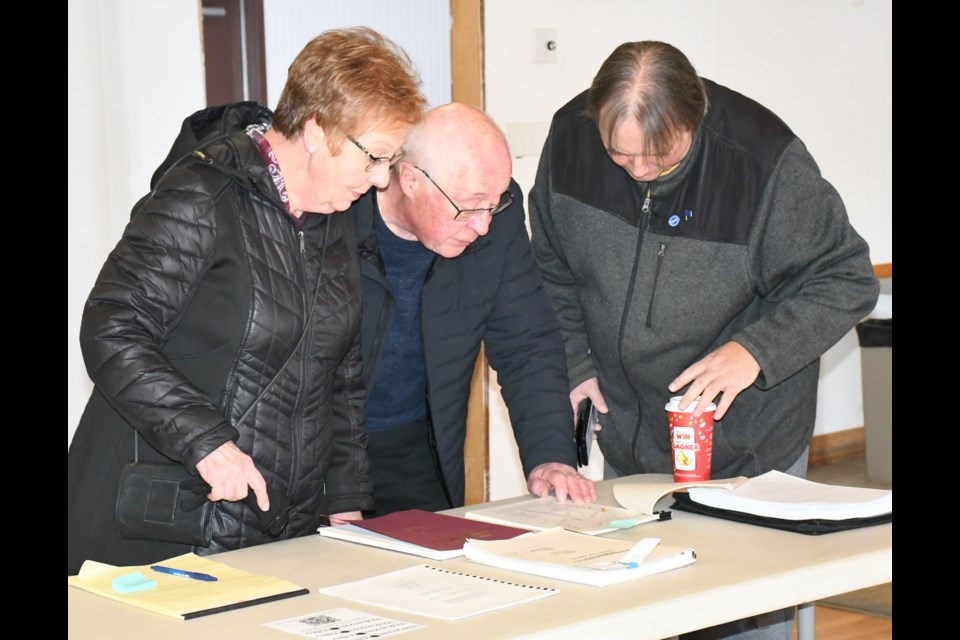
(690, 245)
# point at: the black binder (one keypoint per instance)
(813, 527)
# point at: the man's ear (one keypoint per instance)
(406, 176)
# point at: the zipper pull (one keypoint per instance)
(300, 235)
(646, 203)
(200, 154)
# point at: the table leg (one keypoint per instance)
(806, 625)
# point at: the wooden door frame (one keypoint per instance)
(223, 62)
(466, 65)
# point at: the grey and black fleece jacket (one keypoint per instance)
(744, 241)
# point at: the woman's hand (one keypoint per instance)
(229, 471)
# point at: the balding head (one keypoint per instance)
(454, 176)
(457, 139)
(650, 85)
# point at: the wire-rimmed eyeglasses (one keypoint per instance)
(376, 161)
(506, 199)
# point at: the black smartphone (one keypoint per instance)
(584, 431)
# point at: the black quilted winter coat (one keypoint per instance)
(194, 312)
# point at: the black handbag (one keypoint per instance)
(159, 501)
(149, 505)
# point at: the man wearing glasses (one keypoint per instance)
(446, 268)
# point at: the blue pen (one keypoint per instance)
(183, 573)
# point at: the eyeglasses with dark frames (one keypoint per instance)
(506, 199)
(376, 161)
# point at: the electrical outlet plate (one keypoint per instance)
(544, 45)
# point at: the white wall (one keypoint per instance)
(420, 27)
(824, 66)
(134, 71)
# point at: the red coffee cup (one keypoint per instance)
(692, 441)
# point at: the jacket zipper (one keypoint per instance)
(380, 330)
(434, 448)
(304, 360)
(296, 421)
(656, 278)
(644, 224)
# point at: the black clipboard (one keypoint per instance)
(190, 615)
(812, 527)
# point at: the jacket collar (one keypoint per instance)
(365, 218)
(207, 125)
(591, 177)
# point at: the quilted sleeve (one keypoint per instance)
(140, 294)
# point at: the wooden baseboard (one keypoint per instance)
(839, 445)
(884, 270)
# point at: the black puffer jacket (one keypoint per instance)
(195, 311)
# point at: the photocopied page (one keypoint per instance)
(540, 514)
(430, 591)
(575, 557)
(343, 623)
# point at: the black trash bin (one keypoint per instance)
(876, 358)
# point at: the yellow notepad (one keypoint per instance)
(182, 597)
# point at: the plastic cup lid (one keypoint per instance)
(674, 405)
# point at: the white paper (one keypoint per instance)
(575, 557)
(437, 593)
(540, 514)
(779, 495)
(645, 492)
(343, 623)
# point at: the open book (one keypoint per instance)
(645, 491)
(779, 495)
(575, 557)
(639, 500)
(422, 533)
